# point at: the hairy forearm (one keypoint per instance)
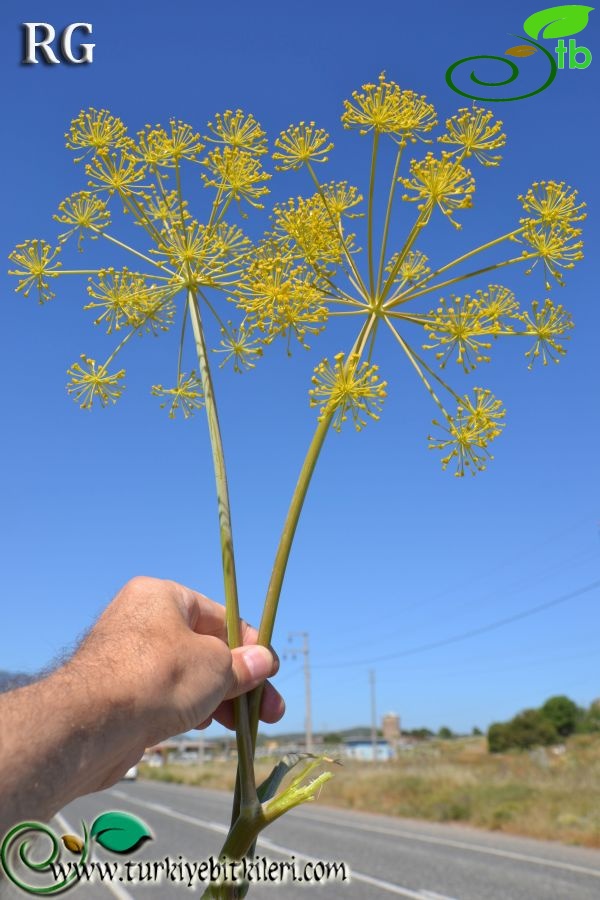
(58, 739)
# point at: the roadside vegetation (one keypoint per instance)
(550, 792)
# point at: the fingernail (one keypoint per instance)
(259, 661)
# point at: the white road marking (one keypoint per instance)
(114, 888)
(277, 848)
(449, 842)
(431, 895)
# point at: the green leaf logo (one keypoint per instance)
(557, 21)
(120, 832)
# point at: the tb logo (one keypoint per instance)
(40, 35)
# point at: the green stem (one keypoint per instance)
(421, 221)
(360, 286)
(410, 295)
(135, 252)
(370, 211)
(388, 215)
(249, 800)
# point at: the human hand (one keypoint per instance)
(156, 663)
(158, 656)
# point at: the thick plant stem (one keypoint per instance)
(249, 800)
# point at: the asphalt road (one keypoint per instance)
(384, 857)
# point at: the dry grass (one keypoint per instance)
(540, 794)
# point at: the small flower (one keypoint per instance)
(386, 109)
(151, 147)
(283, 299)
(557, 248)
(300, 144)
(187, 396)
(112, 172)
(96, 131)
(459, 326)
(235, 129)
(164, 208)
(546, 324)
(340, 197)
(239, 348)
(204, 255)
(182, 142)
(311, 229)
(468, 434)
(35, 260)
(237, 175)
(347, 387)
(376, 108)
(90, 382)
(412, 269)
(552, 204)
(127, 300)
(497, 302)
(440, 182)
(474, 133)
(415, 117)
(83, 212)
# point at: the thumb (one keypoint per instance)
(251, 665)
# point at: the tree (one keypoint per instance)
(528, 729)
(562, 713)
(445, 733)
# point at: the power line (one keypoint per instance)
(474, 632)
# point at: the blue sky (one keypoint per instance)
(392, 554)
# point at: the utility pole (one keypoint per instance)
(304, 650)
(373, 715)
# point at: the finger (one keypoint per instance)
(272, 708)
(251, 665)
(205, 616)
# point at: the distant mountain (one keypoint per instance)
(10, 680)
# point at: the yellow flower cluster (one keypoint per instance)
(36, 263)
(128, 300)
(475, 133)
(348, 387)
(468, 434)
(439, 182)
(386, 109)
(187, 395)
(546, 324)
(300, 144)
(83, 212)
(90, 381)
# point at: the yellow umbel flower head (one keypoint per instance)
(557, 248)
(439, 182)
(90, 382)
(282, 298)
(498, 302)
(237, 175)
(96, 131)
(83, 212)
(474, 133)
(347, 387)
(308, 227)
(375, 108)
(238, 130)
(239, 348)
(112, 172)
(36, 262)
(300, 144)
(416, 117)
(546, 324)
(462, 326)
(385, 109)
(412, 268)
(468, 434)
(551, 204)
(187, 395)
